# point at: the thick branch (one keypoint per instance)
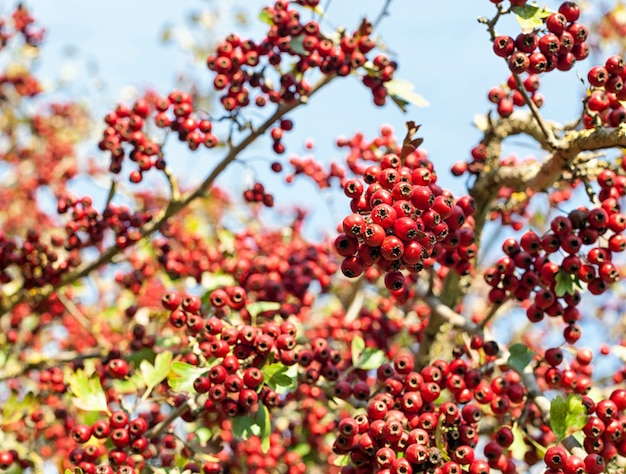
(541, 176)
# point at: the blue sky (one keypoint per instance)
(445, 53)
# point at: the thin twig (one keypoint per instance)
(383, 13)
(158, 429)
(536, 114)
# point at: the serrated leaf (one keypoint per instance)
(401, 91)
(371, 359)
(567, 416)
(245, 426)
(266, 18)
(530, 17)
(576, 413)
(356, 348)
(129, 385)
(564, 284)
(182, 376)
(520, 356)
(279, 377)
(87, 391)
(264, 422)
(153, 375)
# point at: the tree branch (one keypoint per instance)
(174, 206)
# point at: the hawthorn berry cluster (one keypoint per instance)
(235, 60)
(88, 222)
(532, 269)
(405, 430)
(234, 383)
(507, 97)
(126, 132)
(603, 107)
(257, 194)
(561, 44)
(604, 438)
(404, 220)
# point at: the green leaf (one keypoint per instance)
(129, 385)
(87, 391)
(440, 434)
(204, 434)
(518, 448)
(266, 18)
(342, 460)
(576, 413)
(153, 375)
(530, 17)
(182, 376)
(245, 426)
(564, 284)
(280, 378)
(213, 281)
(371, 359)
(296, 44)
(264, 422)
(520, 356)
(259, 307)
(401, 91)
(567, 416)
(358, 344)
(15, 410)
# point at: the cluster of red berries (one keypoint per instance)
(129, 447)
(404, 220)
(24, 83)
(257, 194)
(235, 60)
(604, 438)
(508, 97)
(314, 170)
(23, 25)
(234, 384)
(127, 126)
(404, 430)
(266, 265)
(41, 263)
(559, 47)
(37, 262)
(539, 275)
(277, 133)
(87, 221)
(250, 457)
(603, 107)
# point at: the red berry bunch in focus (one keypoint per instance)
(126, 127)
(530, 268)
(562, 42)
(403, 220)
(603, 107)
(406, 426)
(508, 97)
(241, 64)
